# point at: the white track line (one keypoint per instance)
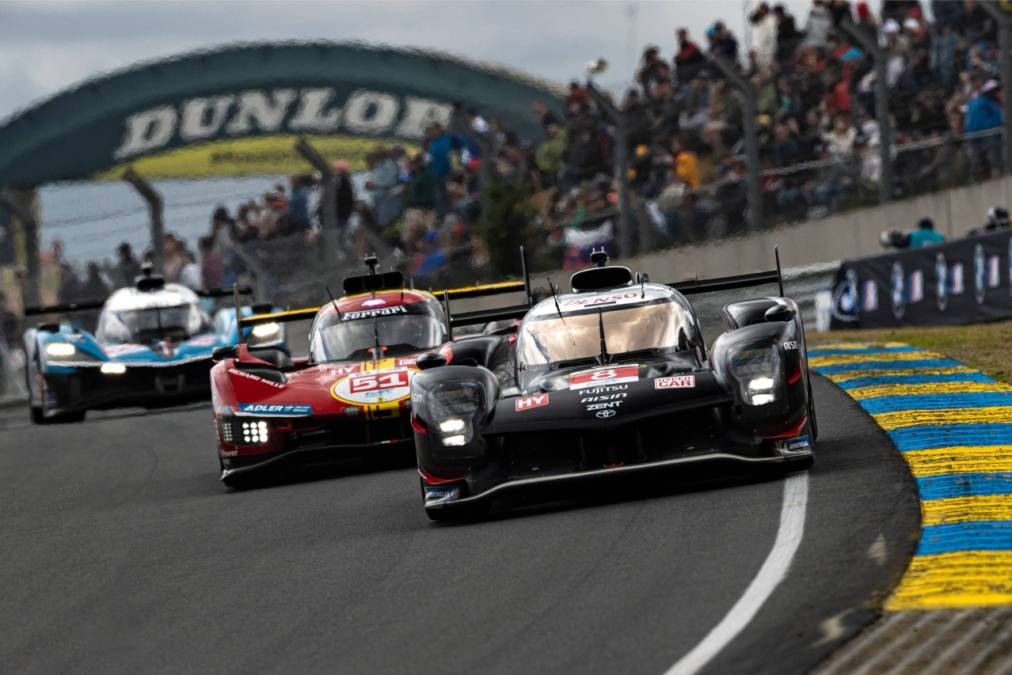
(772, 572)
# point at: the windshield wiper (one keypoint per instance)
(377, 347)
(604, 356)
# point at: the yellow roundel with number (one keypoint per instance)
(371, 388)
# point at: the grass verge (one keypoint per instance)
(986, 347)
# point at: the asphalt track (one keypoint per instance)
(121, 552)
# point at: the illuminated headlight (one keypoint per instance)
(757, 372)
(60, 350)
(254, 432)
(265, 331)
(113, 368)
(761, 384)
(455, 441)
(452, 426)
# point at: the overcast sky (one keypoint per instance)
(48, 46)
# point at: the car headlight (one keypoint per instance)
(238, 431)
(112, 368)
(60, 350)
(266, 331)
(757, 372)
(453, 407)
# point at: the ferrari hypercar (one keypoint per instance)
(615, 378)
(153, 346)
(349, 398)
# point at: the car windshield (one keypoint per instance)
(152, 324)
(348, 339)
(549, 339)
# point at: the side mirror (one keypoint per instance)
(222, 353)
(430, 360)
(779, 312)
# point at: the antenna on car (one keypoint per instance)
(780, 276)
(334, 302)
(449, 319)
(599, 257)
(555, 297)
(238, 311)
(371, 261)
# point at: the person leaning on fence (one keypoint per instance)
(984, 113)
(925, 234)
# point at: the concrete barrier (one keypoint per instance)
(847, 235)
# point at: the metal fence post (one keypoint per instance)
(751, 138)
(1004, 21)
(155, 207)
(869, 42)
(626, 241)
(19, 202)
(328, 197)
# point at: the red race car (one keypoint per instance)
(350, 397)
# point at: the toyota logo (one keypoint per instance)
(605, 414)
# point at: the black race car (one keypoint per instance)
(615, 378)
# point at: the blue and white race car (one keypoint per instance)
(153, 346)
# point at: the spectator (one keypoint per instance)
(925, 234)
(545, 115)
(296, 217)
(689, 60)
(550, 154)
(652, 70)
(211, 272)
(439, 145)
(344, 193)
(685, 163)
(788, 36)
(764, 35)
(191, 274)
(722, 42)
(172, 263)
(983, 113)
(127, 268)
(382, 184)
(820, 22)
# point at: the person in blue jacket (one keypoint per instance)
(983, 113)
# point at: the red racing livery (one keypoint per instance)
(351, 395)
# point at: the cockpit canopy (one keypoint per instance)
(639, 319)
(398, 329)
(134, 316)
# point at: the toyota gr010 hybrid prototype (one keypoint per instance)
(349, 398)
(153, 346)
(614, 378)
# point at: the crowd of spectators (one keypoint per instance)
(815, 99)
(817, 130)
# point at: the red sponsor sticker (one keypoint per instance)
(675, 382)
(530, 402)
(598, 376)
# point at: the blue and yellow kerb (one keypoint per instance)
(953, 425)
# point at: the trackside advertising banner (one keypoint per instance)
(959, 282)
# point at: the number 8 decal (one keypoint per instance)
(606, 374)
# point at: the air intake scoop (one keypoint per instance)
(601, 279)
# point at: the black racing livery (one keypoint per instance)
(615, 378)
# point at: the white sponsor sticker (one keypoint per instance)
(675, 382)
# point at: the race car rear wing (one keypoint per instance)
(716, 284)
(483, 316)
(383, 282)
(92, 305)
